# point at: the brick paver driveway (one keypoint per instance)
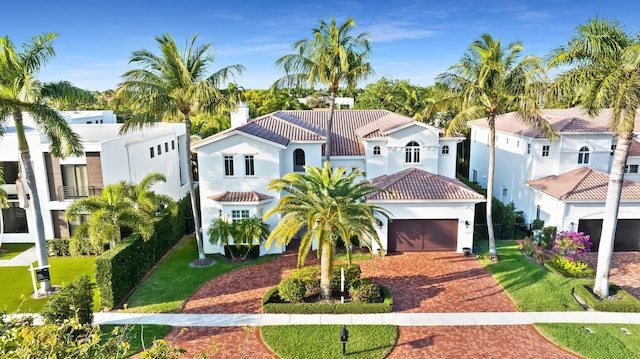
(625, 267)
(420, 282)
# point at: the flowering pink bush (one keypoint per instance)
(572, 245)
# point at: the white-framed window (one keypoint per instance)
(583, 155)
(166, 147)
(545, 151)
(298, 160)
(613, 149)
(173, 144)
(159, 150)
(412, 152)
(631, 169)
(528, 148)
(238, 214)
(376, 150)
(228, 165)
(518, 143)
(249, 166)
(151, 152)
(474, 176)
(445, 150)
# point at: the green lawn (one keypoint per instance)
(531, 287)
(606, 341)
(139, 336)
(323, 341)
(16, 288)
(174, 280)
(13, 249)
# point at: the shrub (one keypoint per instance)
(622, 302)
(58, 247)
(271, 304)
(528, 246)
(548, 235)
(572, 245)
(309, 275)
(568, 268)
(74, 300)
(351, 274)
(291, 290)
(365, 291)
(537, 224)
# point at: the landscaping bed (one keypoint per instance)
(272, 303)
(618, 301)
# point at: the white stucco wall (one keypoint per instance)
(429, 143)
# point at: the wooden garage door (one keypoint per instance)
(406, 235)
(627, 233)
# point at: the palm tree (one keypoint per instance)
(3, 204)
(246, 233)
(604, 73)
(332, 57)
(327, 204)
(20, 91)
(491, 80)
(172, 86)
(121, 205)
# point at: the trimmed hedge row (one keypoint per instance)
(625, 302)
(119, 269)
(322, 308)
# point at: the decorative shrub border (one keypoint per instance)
(551, 267)
(323, 308)
(625, 303)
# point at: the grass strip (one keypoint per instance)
(139, 336)
(10, 250)
(323, 341)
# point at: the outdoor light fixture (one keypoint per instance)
(467, 224)
(344, 338)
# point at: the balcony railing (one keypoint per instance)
(69, 193)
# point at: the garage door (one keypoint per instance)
(406, 235)
(627, 233)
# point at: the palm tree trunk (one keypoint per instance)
(38, 232)
(329, 144)
(491, 170)
(325, 271)
(192, 191)
(610, 220)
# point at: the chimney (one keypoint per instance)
(240, 116)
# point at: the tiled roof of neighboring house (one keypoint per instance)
(416, 184)
(571, 120)
(634, 148)
(582, 184)
(349, 127)
(240, 197)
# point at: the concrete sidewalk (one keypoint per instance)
(399, 319)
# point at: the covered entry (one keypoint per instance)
(406, 235)
(627, 233)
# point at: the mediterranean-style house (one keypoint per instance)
(563, 182)
(108, 158)
(431, 210)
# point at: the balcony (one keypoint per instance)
(70, 193)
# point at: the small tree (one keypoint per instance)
(243, 234)
(74, 300)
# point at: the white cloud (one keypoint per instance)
(387, 32)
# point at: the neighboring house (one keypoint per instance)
(545, 178)
(108, 158)
(431, 209)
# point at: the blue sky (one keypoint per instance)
(414, 40)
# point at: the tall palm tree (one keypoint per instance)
(327, 204)
(20, 91)
(172, 86)
(490, 80)
(3, 204)
(605, 72)
(332, 57)
(121, 205)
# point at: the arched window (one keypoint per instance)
(376, 150)
(445, 150)
(298, 160)
(412, 152)
(583, 156)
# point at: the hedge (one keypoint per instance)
(553, 268)
(322, 308)
(119, 269)
(624, 303)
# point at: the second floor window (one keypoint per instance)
(412, 152)
(376, 150)
(249, 166)
(298, 160)
(545, 151)
(228, 165)
(583, 156)
(75, 182)
(445, 150)
(631, 169)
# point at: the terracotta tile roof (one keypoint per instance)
(634, 148)
(349, 126)
(416, 184)
(239, 197)
(582, 184)
(571, 120)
